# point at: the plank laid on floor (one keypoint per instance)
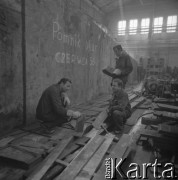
(49, 160)
(83, 157)
(166, 107)
(100, 119)
(152, 120)
(157, 136)
(168, 129)
(137, 102)
(90, 168)
(10, 173)
(159, 139)
(90, 113)
(70, 149)
(5, 141)
(164, 100)
(62, 133)
(118, 152)
(133, 96)
(168, 115)
(134, 117)
(20, 156)
(53, 172)
(92, 133)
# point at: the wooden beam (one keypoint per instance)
(168, 130)
(77, 164)
(100, 119)
(94, 6)
(118, 152)
(90, 168)
(62, 162)
(49, 160)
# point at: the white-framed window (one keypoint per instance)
(145, 23)
(133, 26)
(121, 27)
(158, 23)
(171, 23)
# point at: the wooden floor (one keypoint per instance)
(32, 153)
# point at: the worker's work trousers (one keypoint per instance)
(116, 120)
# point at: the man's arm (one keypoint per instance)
(59, 108)
(57, 103)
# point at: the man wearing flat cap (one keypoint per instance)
(123, 64)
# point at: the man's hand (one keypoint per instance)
(117, 71)
(70, 113)
(66, 99)
(76, 114)
(73, 114)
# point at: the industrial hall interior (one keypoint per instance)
(88, 89)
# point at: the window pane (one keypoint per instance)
(133, 26)
(121, 27)
(171, 23)
(158, 23)
(145, 23)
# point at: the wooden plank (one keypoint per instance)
(157, 136)
(83, 157)
(49, 160)
(20, 156)
(69, 149)
(62, 133)
(166, 107)
(97, 109)
(92, 165)
(100, 119)
(137, 102)
(5, 141)
(53, 172)
(72, 156)
(134, 117)
(166, 101)
(82, 140)
(132, 97)
(9, 173)
(90, 113)
(117, 152)
(151, 120)
(92, 133)
(62, 162)
(168, 130)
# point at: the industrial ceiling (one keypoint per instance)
(107, 6)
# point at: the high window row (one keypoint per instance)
(145, 24)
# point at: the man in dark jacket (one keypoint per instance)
(119, 108)
(51, 108)
(123, 64)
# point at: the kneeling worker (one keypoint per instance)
(119, 108)
(52, 106)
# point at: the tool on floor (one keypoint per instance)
(115, 138)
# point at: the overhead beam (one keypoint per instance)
(94, 6)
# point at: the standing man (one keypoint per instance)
(123, 64)
(119, 108)
(52, 106)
